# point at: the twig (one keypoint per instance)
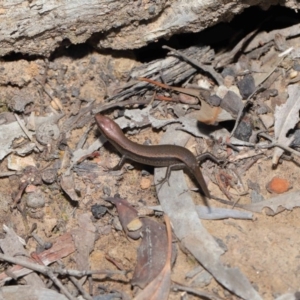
(18, 197)
(58, 283)
(60, 271)
(50, 272)
(80, 288)
(38, 268)
(180, 287)
(276, 144)
(27, 132)
(218, 78)
(43, 87)
(8, 173)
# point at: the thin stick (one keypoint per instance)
(44, 269)
(190, 290)
(276, 144)
(58, 283)
(26, 131)
(80, 288)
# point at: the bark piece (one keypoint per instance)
(39, 27)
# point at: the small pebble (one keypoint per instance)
(214, 100)
(36, 199)
(98, 211)
(246, 86)
(145, 183)
(278, 185)
(268, 120)
(228, 71)
(293, 74)
(145, 173)
(186, 99)
(18, 163)
(204, 84)
(221, 91)
(228, 81)
(30, 188)
(235, 89)
(106, 191)
(244, 130)
(49, 175)
(151, 10)
(296, 66)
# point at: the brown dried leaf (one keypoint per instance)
(126, 215)
(68, 185)
(159, 288)
(152, 253)
(212, 115)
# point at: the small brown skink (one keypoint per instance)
(171, 156)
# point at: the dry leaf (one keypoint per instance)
(159, 288)
(211, 115)
(286, 117)
(286, 201)
(151, 254)
(126, 215)
(68, 185)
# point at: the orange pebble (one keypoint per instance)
(278, 185)
(145, 183)
(30, 188)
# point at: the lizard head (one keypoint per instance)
(108, 127)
